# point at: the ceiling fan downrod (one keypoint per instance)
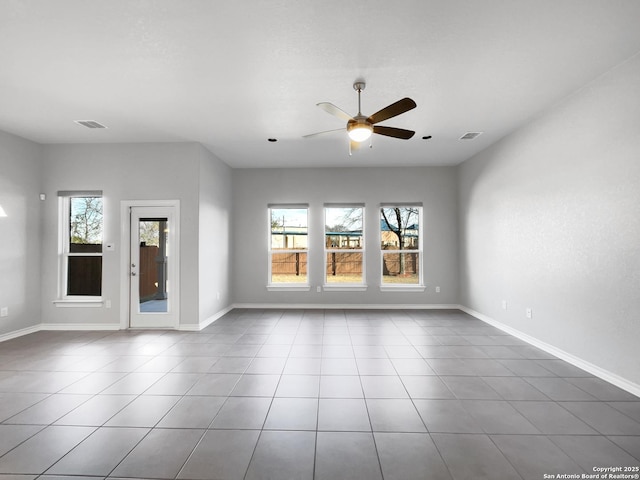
(359, 128)
(359, 87)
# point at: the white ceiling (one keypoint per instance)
(230, 74)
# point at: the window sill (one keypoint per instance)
(402, 288)
(93, 303)
(289, 287)
(332, 287)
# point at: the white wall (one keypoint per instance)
(19, 232)
(214, 257)
(254, 189)
(550, 219)
(123, 172)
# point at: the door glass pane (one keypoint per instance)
(152, 272)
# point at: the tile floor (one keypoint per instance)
(306, 394)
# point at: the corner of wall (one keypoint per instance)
(20, 241)
(214, 234)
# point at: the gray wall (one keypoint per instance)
(19, 232)
(254, 189)
(214, 257)
(123, 172)
(550, 219)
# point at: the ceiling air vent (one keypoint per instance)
(89, 124)
(470, 135)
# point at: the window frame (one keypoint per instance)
(345, 287)
(289, 286)
(64, 251)
(403, 287)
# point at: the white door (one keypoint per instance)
(153, 268)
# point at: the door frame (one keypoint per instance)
(125, 256)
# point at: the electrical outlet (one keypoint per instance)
(217, 295)
(318, 289)
(107, 303)
(529, 313)
(504, 304)
(4, 312)
(437, 289)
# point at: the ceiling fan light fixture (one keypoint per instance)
(359, 132)
(361, 127)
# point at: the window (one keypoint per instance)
(344, 245)
(401, 245)
(288, 245)
(81, 226)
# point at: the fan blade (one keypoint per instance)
(393, 132)
(392, 110)
(322, 133)
(333, 110)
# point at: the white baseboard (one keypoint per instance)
(59, 326)
(346, 306)
(80, 326)
(191, 327)
(104, 326)
(208, 321)
(19, 333)
(599, 372)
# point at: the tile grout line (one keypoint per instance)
(366, 406)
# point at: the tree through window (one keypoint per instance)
(401, 244)
(344, 245)
(82, 245)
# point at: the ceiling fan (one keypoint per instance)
(360, 127)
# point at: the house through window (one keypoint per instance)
(288, 245)
(344, 245)
(401, 244)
